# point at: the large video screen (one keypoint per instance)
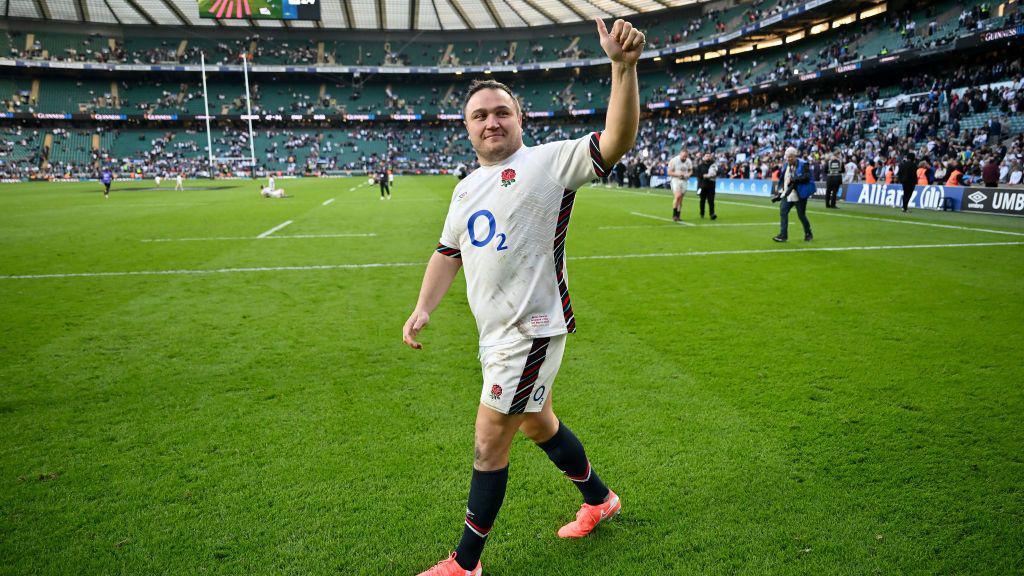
(260, 9)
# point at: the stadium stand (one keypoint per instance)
(950, 116)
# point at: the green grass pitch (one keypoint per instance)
(246, 406)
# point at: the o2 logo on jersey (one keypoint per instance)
(492, 231)
(538, 395)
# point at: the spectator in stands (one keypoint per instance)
(995, 131)
(1016, 174)
(990, 173)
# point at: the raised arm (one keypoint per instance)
(623, 46)
(441, 270)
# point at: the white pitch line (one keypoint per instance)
(408, 264)
(282, 237)
(674, 225)
(353, 235)
(214, 271)
(275, 229)
(880, 219)
(328, 201)
(681, 223)
(737, 224)
(819, 212)
(790, 250)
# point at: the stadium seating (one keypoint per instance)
(391, 51)
(435, 146)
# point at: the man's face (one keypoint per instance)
(683, 155)
(791, 159)
(494, 124)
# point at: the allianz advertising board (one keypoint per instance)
(930, 197)
(999, 201)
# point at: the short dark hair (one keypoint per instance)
(478, 85)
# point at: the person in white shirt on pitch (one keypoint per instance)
(680, 168)
(179, 182)
(271, 190)
(506, 227)
(850, 172)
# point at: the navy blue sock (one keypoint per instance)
(566, 451)
(486, 493)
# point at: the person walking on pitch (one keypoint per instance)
(506, 226)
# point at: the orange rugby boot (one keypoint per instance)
(590, 516)
(449, 567)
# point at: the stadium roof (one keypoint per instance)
(347, 14)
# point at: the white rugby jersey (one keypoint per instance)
(508, 223)
(677, 164)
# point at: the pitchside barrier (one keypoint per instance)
(933, 197)
(994, 200)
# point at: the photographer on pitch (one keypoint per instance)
(796, 187)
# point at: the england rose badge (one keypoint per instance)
(508, 176)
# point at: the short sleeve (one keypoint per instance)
(573, 163)
(448, 244)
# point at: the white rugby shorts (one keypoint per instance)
(678, 186)
(518, 376)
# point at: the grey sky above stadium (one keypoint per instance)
(350, 14)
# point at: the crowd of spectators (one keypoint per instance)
(864, 130)
(267, 49)
(965, 115)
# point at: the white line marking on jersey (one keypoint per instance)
(280, 237)
(328, 201)
(423, 264)
(275, 229)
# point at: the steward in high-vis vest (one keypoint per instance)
(955, 177)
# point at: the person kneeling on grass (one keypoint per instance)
(270, 192)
